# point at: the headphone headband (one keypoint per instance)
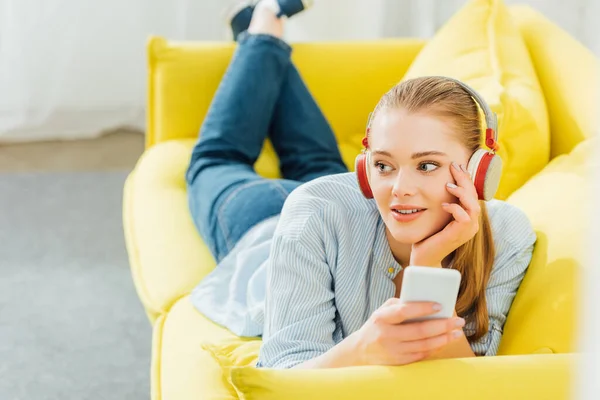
(491, 120)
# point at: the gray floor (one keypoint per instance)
(71, 325)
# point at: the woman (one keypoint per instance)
(311, 264)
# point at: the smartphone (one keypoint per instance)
(439, 285)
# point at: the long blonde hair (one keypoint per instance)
(475, 258)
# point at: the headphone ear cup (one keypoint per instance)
(360, 166)
(485, 169)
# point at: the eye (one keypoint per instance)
(428, 166)
(382, 168)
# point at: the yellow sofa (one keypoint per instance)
(168, 258)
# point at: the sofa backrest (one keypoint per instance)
(183, 77)
(568, 73)
(346, 79)
(544, 316)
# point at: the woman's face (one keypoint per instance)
(411, 155)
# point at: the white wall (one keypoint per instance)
(75, 68)
(587, 381)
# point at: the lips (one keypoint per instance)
(407, 213)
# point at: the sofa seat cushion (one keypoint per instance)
(490, 378)
(182, 368)
(194, 358)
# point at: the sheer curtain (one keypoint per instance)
(75, 68)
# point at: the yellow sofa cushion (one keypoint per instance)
(345, 78)
(570, 81)
(182, 368)
(192, 357)
(481, 46)
(557, 202)
(167, 255)
(490, 378)
(237, 359)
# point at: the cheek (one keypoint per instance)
(441, 194)
(434, 188)
(382, 193)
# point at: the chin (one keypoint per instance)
(406, 235)
(407, 238)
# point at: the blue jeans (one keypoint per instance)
(260, 95)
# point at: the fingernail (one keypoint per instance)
(437, 307)
(459, 322)
(455, 165)
(445, 204)
(456, 334)
(464, 168)
(451, 185)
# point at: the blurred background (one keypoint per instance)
(74, 69)
(72, 98)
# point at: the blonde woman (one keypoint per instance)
(311, 264)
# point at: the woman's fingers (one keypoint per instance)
(469, 200)
(464, 190)
(462, 176)
(411, 358)
(430, 344)
(459, 213)
(393, 312)
(427, 329)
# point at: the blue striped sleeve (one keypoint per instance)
(514, 247)
(299, 305)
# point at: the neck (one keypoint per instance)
(400, 251)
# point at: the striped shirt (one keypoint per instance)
(313, 275)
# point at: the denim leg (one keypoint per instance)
(301, 135)
(226, 195)
(237, 122)
(247, 200)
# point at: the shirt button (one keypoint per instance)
(391, 270)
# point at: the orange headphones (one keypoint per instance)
(485, 166)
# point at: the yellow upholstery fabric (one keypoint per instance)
(168, 257)
(182, 84)
(482, 47)
(570, 87)
(514, 377)
(193, 356)
(183, 368)
(556, 202)
(156, 213)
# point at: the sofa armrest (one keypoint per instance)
(490, 378)
(167, 256)
(346, 79)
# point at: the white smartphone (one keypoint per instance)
(439, 285)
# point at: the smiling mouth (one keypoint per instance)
(408, 212)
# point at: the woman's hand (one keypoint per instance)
(431, 251)
(385, 340)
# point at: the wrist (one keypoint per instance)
(354, 350)
(425, 263)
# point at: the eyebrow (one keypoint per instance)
(414, 156)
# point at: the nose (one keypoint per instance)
(404, 185)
